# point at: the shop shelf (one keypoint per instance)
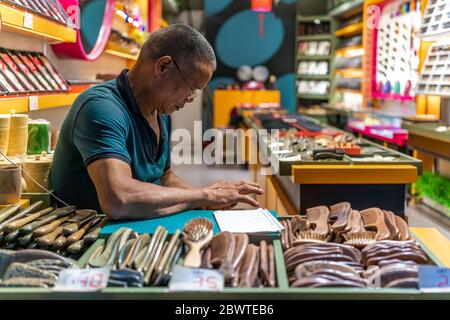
(303, 57)
(350, 30)
(352, 51)
(118, 52)
(312, 96)
(350, 73)
(21, 103)
(314, 37)
(347, 9)
(312, 18)
(314, 76)
(348, 90)
(12, 20)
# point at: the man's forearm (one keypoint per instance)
(170, 179)
(140, 200)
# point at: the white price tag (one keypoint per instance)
(33, 104)
(28, 20)
(82, 280)
(190, 279)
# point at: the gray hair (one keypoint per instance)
(183, 43)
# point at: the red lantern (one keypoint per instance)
(261, 5)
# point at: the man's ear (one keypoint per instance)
(162, 65)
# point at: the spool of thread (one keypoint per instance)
(5, 121)
(38, 167)
(10, 185)
(38, 137)
(18, 135)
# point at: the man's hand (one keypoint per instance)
(224, 194)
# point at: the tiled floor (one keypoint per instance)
(202, 175)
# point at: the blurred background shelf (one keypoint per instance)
(13, 20)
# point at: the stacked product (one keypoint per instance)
(342, 247)
(64, 230)
(138, 260)
(50, 9)
(122, 42)
(31, 268)
(28, 72)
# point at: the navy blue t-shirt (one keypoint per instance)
(105, 122)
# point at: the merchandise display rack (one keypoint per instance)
(435, 76)
(436, 20)
(347, 10)
(13, 20)
(314, 57)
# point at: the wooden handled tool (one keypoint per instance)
(81, 217)
(49, 239)
(49, 227)
(58, 213)
(101, 259)
(60, 242)
(21, 214)
(26, 240)
(9, 210)
(76, 236)
(21, 222)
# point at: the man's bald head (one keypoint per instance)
(184, 44)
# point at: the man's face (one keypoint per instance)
(182, 85)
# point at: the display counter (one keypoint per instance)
(425, 137)
(365, 173)
(433, 244)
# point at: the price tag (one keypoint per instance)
(189, 279)
(33, 104)
(82, 280)
(28, 20)
(434, 279)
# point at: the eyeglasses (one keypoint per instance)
(192, 92)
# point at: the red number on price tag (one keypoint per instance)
(444, 282)
(212, 283)
(96, 281)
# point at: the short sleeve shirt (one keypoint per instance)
(105, 122)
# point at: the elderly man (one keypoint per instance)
(113, 150)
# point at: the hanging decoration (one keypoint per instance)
(261, 6)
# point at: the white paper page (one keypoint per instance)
(247, 221)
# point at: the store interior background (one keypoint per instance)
(211, 17)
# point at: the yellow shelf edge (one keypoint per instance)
(350, 73)
(436, 242)
(348, 90)
(354, 174)
(349, 30)
(343, 51)
(45, 101)
(12, 20)
(121, 54)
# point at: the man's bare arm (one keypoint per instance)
(122, 197)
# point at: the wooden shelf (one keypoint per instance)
(303, 57)
(12, 20)
(118, 52)
(312, 96)
(349, 73)
(350, 30)
(121, 54)
(348, 51)
(314, 37)
(21, 103)
(314, 76)
(348, 90)
(347, 9)
(312, 18)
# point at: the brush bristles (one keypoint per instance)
(309, 236)
(196, 229)
(360, 239)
